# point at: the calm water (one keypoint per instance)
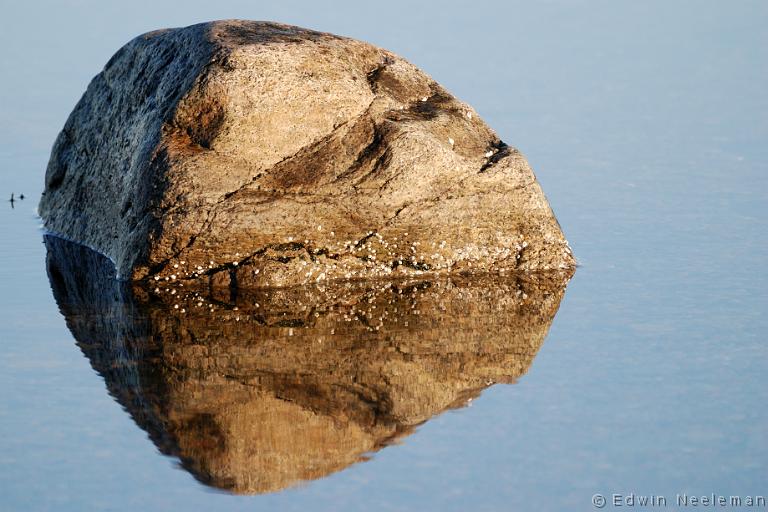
(647, 124)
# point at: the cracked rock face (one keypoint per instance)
(257, 154)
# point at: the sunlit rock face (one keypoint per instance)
(273, 155)
(257, 391)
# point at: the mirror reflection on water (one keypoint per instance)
(257, 391)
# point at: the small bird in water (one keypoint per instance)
(12, 200)
(21, 196)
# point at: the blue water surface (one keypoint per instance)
(647, 125)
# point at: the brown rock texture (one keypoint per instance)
(264, 155)
(260, 391)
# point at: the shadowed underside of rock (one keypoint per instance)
(260, 154)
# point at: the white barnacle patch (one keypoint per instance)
(451, 141)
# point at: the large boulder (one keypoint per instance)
(261, 154)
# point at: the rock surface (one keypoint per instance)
(261, 391)
(260, 154)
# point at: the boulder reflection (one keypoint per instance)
(257, 391)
